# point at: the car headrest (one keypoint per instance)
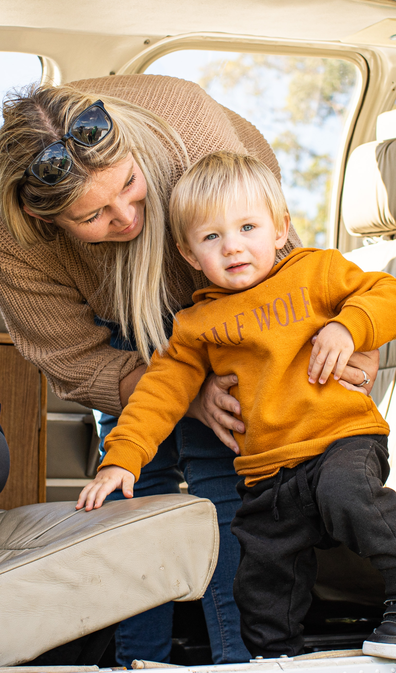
(369, 197)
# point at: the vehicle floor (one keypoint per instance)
(328, 626)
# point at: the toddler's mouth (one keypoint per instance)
(238, 266)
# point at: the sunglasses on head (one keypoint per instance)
(54, 163)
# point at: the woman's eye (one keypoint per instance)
(131, 179)
(93, 218)
(247, 227)
(211, 237)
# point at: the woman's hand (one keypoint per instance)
(358, 365)
(106, 481)
(214, 407)
(128, 384)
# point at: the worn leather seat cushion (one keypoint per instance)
(65, 573)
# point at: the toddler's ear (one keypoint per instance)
(190, 257)
(281, 237)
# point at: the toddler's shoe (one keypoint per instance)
(382, 642)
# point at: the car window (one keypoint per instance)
(16, 71)
(301, 104)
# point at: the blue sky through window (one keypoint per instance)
(17, 70)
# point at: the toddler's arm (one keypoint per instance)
(332, 349)
(106, 481)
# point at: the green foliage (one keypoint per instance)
(315, 91)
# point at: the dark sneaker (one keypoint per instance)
(382, 642)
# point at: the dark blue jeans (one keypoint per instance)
(192, 451)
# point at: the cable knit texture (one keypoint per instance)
(51, 293)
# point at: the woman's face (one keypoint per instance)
(113, 207)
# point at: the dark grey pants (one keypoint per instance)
(335, 497)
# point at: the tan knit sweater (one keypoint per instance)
(51, 293)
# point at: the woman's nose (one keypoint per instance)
(123, 213)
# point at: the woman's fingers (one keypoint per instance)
(214, 407)
(224, 435)
(215, 410)
(349, 386)
(358, 363)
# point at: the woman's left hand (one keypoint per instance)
(214, 407)
(354, 373)
(359, 365)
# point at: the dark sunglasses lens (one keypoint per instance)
(91, 126)
(53, 164)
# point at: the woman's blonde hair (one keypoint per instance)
(214, 182)
(42, 115)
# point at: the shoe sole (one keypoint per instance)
(383, 650)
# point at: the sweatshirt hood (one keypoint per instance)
(213, 292)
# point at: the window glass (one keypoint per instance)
(300, 104)
(17, 70)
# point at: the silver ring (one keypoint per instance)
(365, 381)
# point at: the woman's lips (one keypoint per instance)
(129, 228)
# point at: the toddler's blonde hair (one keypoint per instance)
(214, 182)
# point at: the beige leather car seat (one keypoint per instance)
(369, 211)
(64, 574)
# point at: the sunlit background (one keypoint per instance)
(300, 104)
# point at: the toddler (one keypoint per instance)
(314, 456)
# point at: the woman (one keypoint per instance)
(90, 278)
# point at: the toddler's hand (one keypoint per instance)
(106, 481)
(332, 349)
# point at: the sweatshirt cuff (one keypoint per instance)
(359, 324)
(105, 390)
(126, 454)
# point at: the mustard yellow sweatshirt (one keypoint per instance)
(263, 335)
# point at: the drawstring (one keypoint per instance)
(309, 507)
(275, 494)
(308, 504)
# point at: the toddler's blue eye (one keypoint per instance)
(247, 227)
(211, 237)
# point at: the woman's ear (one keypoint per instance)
(29, 212)
(190, 257)
(281, 237)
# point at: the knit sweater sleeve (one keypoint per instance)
(159, 401)
(363, 302)
(52, 325)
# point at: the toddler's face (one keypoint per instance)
(236, 250)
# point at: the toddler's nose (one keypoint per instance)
(231, 246)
